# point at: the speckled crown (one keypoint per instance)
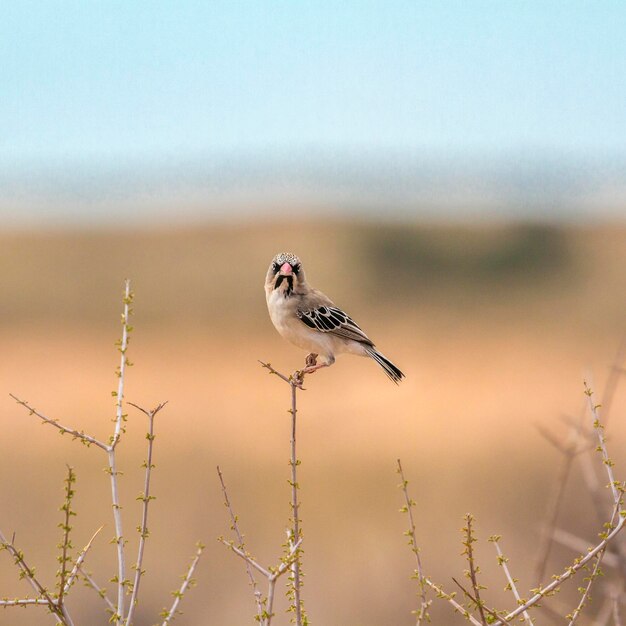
(286, 257)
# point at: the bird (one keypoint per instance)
(310, 320)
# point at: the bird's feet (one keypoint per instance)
(311, 365)
(297, 379)
(309, 369)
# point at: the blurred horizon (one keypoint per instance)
(396, 190)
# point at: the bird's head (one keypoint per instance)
(285, 274)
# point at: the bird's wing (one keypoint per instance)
(330, 319)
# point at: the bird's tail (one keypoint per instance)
(390, 369)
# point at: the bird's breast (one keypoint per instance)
(283, 313)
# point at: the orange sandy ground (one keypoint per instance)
(463, 423)
(485, 362)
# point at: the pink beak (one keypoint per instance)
(285, 268)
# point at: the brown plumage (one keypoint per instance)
(310, 320)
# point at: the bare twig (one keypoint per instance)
(276, 574)
(595, 572)
(295, 535)
(145, 498)
(569, 449)
(109, 448)
(422, 613)
(473, 570)
(290, 562)
(76, 434)
(65, 545)
(502, 561)
(55, 605)
(113, 472)
(617, 490)
(450, 598)
(556, 501)
(188, 581)
(23, 602)
(495, 618)
(67, 579)
(245, 556)
(578, 544)
(79, 562)
(120, 417)
(269, 367)
(590, 581)
(272, 574)
(90, 582)
(569, 571)
(29, 574)
(608, 464)
(235, 527)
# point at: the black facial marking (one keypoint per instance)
(289, 280)
(289, 286)
(275, 268)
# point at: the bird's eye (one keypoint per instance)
(296, 269)
(275, 268)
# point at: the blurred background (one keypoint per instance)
(452, 174)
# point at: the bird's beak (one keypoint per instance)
(286, 269)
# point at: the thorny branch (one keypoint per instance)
(570, 448)
(145, 498)
(295, 382)
(291, 560)
(76, 434)
(617, 491)
(29, 574)
(250, 562)
(23, 602)
(502, 561)
(90, 582)
(449, 597)
(494, 617)
(188, 581)
(235, 527)
(473, 569)
(593, 555)
(65, 526)
(608, 464)
(117, 609)
(79, 562)
(120, 417)
(272, 574)
(295, 535)
(422, 613)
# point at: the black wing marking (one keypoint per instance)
(330, 319)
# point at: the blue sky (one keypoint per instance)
(108, 81)
(107, 101)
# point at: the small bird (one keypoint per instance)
(310, 320)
